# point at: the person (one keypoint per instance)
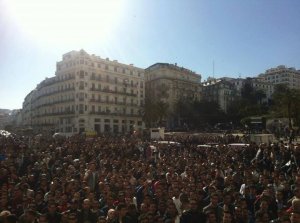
(227, 217)
(122, 216)
(193, 214)
(91, 176)
(53, 216)
(214, 207)
(111, 216)
(86, 215)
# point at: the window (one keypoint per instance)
(81, 75)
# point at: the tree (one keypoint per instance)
(286, 103)
(154, 112)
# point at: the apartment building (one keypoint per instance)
(169, 83)
(258, 83)
(220, 91)
(282, 75)
(87, 93)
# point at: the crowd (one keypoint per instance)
(128, 180)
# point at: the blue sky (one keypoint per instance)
(243, 38)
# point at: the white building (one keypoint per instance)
(87, 93)
(283, 75)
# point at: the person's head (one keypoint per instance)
(297, 192)
(30, 215)
(122, 209)
(214, 199)
(144, 208)
(227, 199)
(227, 218)
(211, 217)
(162, 206)
(152, 208)
(264, 205)
(74, 204)
(43, 218)
(72, 218)
(262, 216)
(111, 214)
(86, 204)
(238, 212)
(171, 210)
(92, 165)
(193, 204)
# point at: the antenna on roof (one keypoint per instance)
(213, 68)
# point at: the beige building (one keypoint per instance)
(169, 83)
(87, 93)
(283, 75)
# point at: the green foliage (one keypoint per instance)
(249, 104)
(154, 112)
(286, 103)
(197, 114)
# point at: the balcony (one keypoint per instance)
(114, 114)
(56, 114)
(55, 103)
(123, 83)
(106, 90)
(54, 92)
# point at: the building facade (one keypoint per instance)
(220, 91)
(283, 75)
(87, 93)
(258, 83)
(170, 83)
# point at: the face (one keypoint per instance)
(227, 218)
(214, 200)
(193, 205)
(212, 218)
(86, 204)
(111, 214)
